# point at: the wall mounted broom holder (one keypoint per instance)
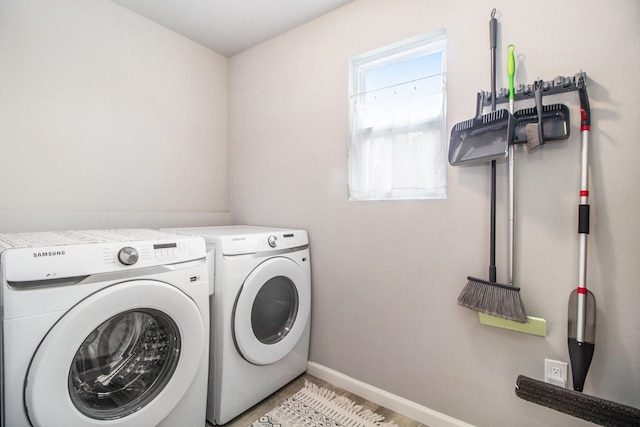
(560, 84)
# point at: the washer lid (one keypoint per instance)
(271, 311)
(152, 344)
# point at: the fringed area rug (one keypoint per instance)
(314, 406)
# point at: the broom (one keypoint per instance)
(489, 296)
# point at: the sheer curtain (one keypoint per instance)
(397, 142)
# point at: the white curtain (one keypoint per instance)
(397, 144)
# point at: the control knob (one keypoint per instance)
(128, 255)
(273, 241)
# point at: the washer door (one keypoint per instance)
(271, 311)
(124, 356)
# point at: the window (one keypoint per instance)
(397, 121)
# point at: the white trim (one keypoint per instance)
(27, 221)
(383, 398)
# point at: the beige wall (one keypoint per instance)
(109, 120)
(386, 275)
(106, 113)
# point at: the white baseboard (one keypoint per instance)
(388, 400)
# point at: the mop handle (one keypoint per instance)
(583, 213)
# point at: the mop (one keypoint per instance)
(581, 328)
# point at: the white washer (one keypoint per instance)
(260, 314)
(104, 328)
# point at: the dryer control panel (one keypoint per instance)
(246, 239)
(56, 255)
(269, 241)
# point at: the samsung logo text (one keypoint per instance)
(53, 253)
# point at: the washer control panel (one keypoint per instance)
(128, 255)
(56, 255)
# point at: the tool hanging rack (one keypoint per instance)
(560, 84)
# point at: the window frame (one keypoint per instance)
(408, 49)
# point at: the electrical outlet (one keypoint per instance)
(555, 372)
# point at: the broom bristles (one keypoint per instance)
(534, 136)
(494, 299)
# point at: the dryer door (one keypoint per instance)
(271, 311)
(124, 356)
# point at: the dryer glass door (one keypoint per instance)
(274, 310)
(271, 311)
(124, 363)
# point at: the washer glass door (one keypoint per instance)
(123, 356)
(124, 363)
(271, 311)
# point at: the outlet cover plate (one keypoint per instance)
(555, 372)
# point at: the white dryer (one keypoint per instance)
(103, 328)
(260, 314)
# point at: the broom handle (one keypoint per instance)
(493, 30)
(511, 71)
(512, 209)
(492, 243)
